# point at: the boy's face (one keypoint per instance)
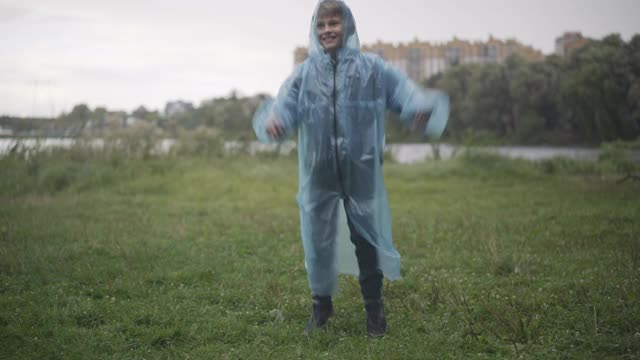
(330, 31)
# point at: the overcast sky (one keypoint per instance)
(124, 53)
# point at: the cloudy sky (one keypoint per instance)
(125, 53)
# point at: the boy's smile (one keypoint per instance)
(330, 32)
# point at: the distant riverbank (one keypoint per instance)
(402, 153)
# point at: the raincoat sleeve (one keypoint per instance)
(408, 98)
(283, 109)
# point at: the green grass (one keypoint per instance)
(194, 258)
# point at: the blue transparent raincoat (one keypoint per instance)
(339, 110)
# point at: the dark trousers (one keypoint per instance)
(370, 275)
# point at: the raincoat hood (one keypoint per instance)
(350, 40)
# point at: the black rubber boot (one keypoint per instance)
(321, 311)
(376, 321)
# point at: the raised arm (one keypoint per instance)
(276, 118)
(413, 103)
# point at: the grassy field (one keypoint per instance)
(194, 258)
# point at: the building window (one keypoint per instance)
(493, 52)
(490, 53)
(453, 55)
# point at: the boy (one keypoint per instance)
(337, 99)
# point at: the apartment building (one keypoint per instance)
(569, 42)
(420, 60)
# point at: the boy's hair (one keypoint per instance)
(330, 8)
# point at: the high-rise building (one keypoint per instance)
(569, 42)
(420, 60)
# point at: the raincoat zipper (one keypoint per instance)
(335, 130)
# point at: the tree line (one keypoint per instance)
(590, 97)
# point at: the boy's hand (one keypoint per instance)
(275, 129)
(419, 122)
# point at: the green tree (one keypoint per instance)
(597, 82)
(75, 120)
(456, 82)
